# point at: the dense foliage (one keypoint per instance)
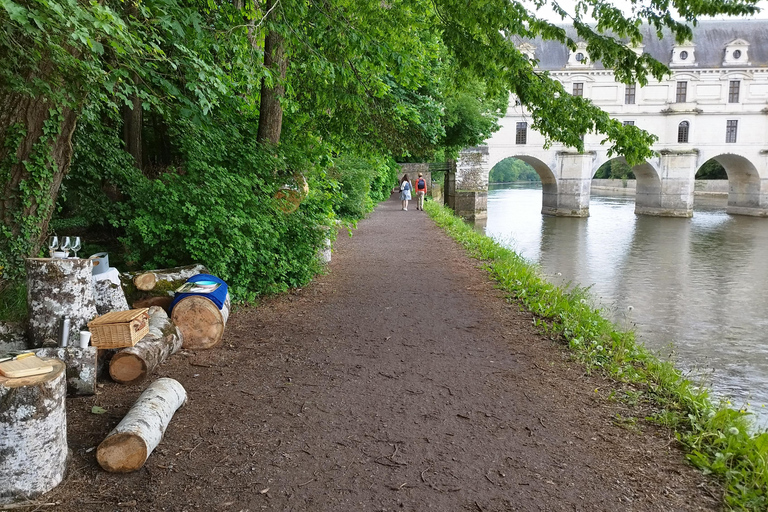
(512, 169)
(179, 126)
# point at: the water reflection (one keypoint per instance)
(696, 286)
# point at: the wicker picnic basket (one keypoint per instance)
(119, 328)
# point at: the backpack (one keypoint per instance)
(407, 186)
(421, 184)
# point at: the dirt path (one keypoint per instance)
(401, 380)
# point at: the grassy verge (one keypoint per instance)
(717, 439)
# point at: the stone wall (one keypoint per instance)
(629, 187)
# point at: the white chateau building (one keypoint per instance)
(713, 105)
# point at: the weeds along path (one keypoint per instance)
(400, 380)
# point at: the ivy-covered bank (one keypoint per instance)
(718, 440)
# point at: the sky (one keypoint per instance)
(547, 13)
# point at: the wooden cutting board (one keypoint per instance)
(31, 365)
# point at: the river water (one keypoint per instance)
(694, 290)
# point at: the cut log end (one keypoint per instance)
(200, 321)
(146, 281)
(122, 453)
(126, 368)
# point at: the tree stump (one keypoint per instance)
(142, 289)
(81, 367)
(200, 321)
(129, 445)
(58, 288)
(133, 364)
(33, 434)
(109, 297)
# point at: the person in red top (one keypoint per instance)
(421, 191)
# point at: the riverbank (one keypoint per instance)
(401, 379)
(710, 188)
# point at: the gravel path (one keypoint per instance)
(399, 380)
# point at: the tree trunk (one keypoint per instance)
(35, 153)
(81, 367)
(58, 288)
(132, 124)
(33, 434)
(129, 445)
(200, 321)
(133, 364)
(275, 60)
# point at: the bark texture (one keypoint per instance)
(133, 364)
(17, 110)
(109, 296)
(81, 367)
(275, 60)
(129, 445)
(200, 321)
(57, 288)
(33, 434)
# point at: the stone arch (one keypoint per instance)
(647, 181)
(747, 189)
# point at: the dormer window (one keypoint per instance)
(736, 53)
(579, 58)
(683, 55)
(528, 50)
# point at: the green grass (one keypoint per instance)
(717, 439)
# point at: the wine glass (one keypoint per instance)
(53, 244)
(66, 245)
(76, 245)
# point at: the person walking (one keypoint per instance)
(421, 191)
(405, 192)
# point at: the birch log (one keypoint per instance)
(200, 321)
(129, 445)
(33, 434)
(109, 297)
(57, 288)
(133, 364)
(81, 367)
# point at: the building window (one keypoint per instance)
(521, 134)
(629, 95)
(733, 91)
(578, 89)
(683, 55)
(682, 92)
(579, 57)
(731, 127)
(737, 54)
(682, 132)
(629, 123)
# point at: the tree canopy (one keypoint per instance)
(101, 102)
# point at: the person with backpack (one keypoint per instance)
(405, 192)
(421, 191)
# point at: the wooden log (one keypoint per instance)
(133, 364)
(109, 296)
(57, 288)
(129, 445)
(33, 434)
(200, 321)
(80, 367)
(136, 285)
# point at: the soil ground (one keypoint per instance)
(400, 380)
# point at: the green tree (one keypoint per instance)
(615, 169)
(512, 169)
(711, 170)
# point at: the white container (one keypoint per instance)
(85, 338)
(59, 254)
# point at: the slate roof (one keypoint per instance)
(710, 38)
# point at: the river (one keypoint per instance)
(693, 289)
